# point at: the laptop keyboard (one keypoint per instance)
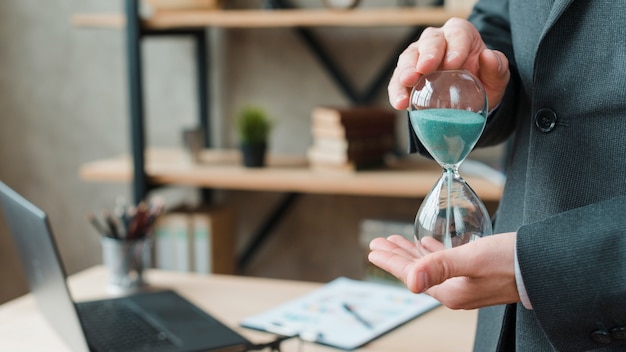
(112, 325)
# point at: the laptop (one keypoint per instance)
(159, 321)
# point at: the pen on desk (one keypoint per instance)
(128, 222)
(102, 230)
(156, 209)
(121, 212)
(112, 225)
(137, 224)
(132, 225)
(357, 316)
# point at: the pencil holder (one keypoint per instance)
(125, 261)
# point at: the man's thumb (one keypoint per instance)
(436, 268)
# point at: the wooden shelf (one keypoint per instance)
(222, 169)
(366, 17)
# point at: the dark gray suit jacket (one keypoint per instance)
(566, 176)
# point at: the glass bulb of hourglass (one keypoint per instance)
(448, 113)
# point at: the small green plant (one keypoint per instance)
(254, 125)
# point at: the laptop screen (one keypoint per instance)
(46, 277)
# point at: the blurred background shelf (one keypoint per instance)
(366, 17)
(147, 169)
(222, 169)
(195, 22)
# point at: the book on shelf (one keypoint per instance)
(384, 142)
(459, 5)
(348, 167)
(358, 157)
(352, 117)
(351, 132)
(330, 162)
(152, 7)
(196, 240)
(351, 138)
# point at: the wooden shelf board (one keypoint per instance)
(222, 169)
(367, 17)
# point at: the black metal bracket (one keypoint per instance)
(334, 70)
(265, 230)
(356, 97)
(134, 34)
(135, 103)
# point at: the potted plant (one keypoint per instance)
(254, 128)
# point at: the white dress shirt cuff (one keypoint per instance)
(521, 289)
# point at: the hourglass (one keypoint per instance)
(448, 111)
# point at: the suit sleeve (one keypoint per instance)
(577, 288)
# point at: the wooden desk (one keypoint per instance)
(23, 328)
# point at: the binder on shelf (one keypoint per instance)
(196, 240)
(219, 223)
(202, 249)
(171, 245)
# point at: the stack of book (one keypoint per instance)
(351, 138)
(152, 7)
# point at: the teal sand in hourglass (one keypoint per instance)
(448, 112)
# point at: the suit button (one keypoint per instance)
(545, 120)
(619, 333)
(601, 336)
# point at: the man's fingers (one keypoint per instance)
(404, 76)
(422, 56)
(398, 93)
(395, 244)
(495, 74)
(397, 265)
(401, 241)
(435, 269)
(432, 244)
(442, 265)
(431, 48)
(459, 42)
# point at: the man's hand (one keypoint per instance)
(474, 275)
(456, 45)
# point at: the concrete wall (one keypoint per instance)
(63, 102)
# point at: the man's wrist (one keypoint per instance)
(521, 288)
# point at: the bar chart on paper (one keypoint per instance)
(344, 313)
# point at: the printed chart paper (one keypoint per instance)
(344, 313)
